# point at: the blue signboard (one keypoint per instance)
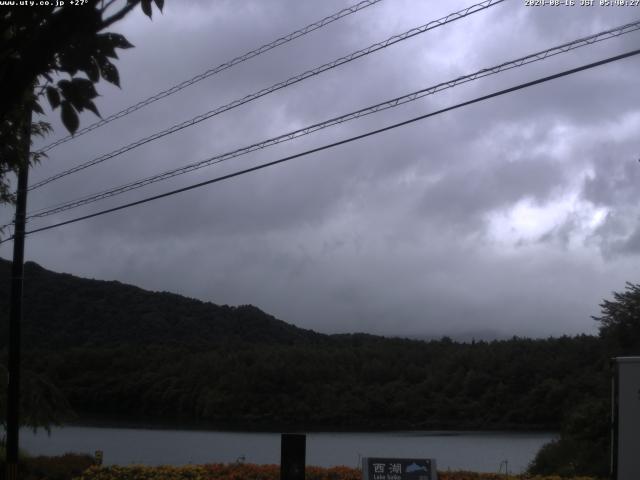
(399, 469)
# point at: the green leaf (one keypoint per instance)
(105, 45)
(89, 105)
(69, 117)
(65, 88)
(80, 92)
(71, 94)
(146, 7)
(92, 70)
(54, 97)
(67, 65)
(37, 108)
(119, 41)
(41, 129)
(84, 87)
(110, 73)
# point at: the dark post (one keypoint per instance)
(15, 310)
(615, 391)
(292, 456)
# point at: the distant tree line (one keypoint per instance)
(349, 382)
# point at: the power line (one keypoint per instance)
(213, 71)
(278, 86)
(341, 142)
(534, 57)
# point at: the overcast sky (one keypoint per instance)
(514, 216)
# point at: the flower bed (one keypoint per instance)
(248, 471)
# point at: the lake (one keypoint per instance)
(476, 451)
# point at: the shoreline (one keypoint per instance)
(190, 425)
(480, 451)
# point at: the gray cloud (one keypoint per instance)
(614, 182)
(422, 230)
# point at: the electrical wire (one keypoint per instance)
(213, 71)
(341, 142)
(278, 86)
(521, 61)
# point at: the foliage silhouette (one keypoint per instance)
(60, 53)
(584, 444)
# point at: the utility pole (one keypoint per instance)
(15, 306)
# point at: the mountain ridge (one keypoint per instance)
(99, 312)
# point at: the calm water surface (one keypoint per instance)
(477, 451)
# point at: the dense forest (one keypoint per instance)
(118, 352)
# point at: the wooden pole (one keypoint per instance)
(15, 309)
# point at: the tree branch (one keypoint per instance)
(104, 7)
(119, 15)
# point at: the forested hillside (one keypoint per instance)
(117, 351)
(63, 311)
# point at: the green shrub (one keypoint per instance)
(583, 447)
(64, 467)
